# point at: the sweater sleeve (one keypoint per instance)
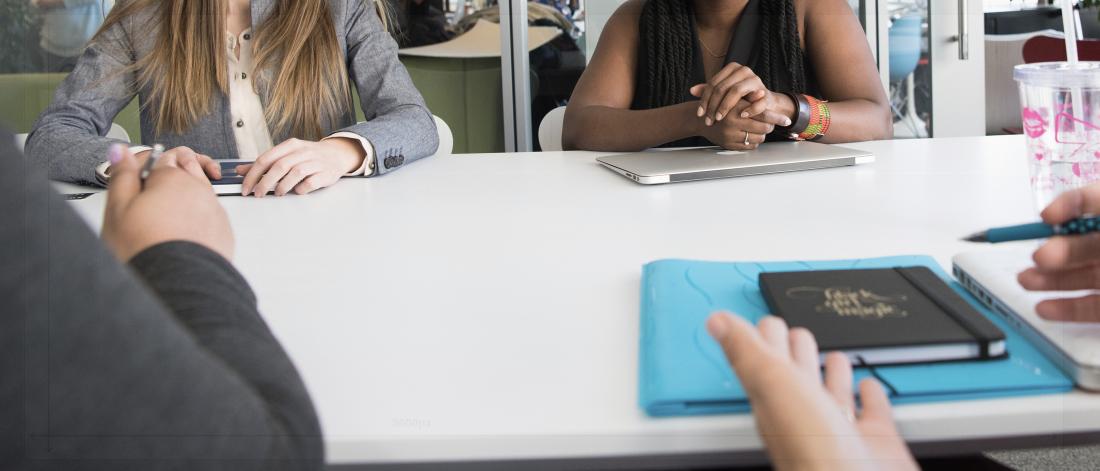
(163, 365)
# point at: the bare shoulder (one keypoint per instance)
(810, 8)
(626, 17)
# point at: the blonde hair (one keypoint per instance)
(297, 54)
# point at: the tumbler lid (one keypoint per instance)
(1059, 74)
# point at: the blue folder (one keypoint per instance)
(684, 372)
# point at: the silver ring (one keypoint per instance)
(747, 143)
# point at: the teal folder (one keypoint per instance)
(684, 372)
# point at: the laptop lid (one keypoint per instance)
(706, 163)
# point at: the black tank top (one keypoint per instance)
(742, 50)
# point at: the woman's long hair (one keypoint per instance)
(667, 34)
(296, 50)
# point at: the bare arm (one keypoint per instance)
(599, 115)
(846, 74)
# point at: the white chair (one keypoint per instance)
(116, 132)
(446, 137)
(550, 130)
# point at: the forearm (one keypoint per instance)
(69, 138)
(858, 120)
(601, 128)
(215, 304)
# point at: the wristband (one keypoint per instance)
(820, 119)
(802, 117)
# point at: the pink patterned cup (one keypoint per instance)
(1060, 109)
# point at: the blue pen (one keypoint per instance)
(1038, 230)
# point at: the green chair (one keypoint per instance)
(25, 96)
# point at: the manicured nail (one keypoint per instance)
(701, 112)
(115, 153)
(709, 121)
(718, 116)
(786, 121)
(744, 114)
(716, 325)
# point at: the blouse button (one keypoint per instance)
(240, 123)
(244, 76)
(247, 37)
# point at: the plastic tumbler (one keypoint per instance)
(1060, 107)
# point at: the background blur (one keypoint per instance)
(945, 64)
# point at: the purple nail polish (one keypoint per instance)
(115, 153)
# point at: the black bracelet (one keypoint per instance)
(802, 121)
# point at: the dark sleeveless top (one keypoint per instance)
(742, 50)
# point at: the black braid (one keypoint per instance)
(780, 48)
(666, 30)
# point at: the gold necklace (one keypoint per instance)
(709, 50)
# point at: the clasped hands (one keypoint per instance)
(736, 111)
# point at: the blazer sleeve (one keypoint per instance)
(69, 138)
(399, 125)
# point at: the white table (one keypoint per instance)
(485, 307)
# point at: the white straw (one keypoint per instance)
(1070, 28)
(1071, 31)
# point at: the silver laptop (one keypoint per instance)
(656, 167)
(990, 275)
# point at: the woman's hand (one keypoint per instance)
(735, 133)
(1067, 263)
(173, 204)
(805, 424)
(737, 91)
(301, 166)
(184, 158)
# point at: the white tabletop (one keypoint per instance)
(485, 307)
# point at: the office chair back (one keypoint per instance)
(550, 130)
(446, 137)
(1049, 49)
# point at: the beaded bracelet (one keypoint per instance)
(820, 119)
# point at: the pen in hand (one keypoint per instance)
(150, 162)
(1082, 225)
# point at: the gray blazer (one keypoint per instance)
(70, 139)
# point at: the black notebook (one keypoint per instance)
(883, 316)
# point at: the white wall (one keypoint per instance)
(596, 14)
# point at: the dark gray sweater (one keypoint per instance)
(165, 364)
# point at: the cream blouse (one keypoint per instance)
(247, 111)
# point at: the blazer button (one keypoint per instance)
(240, 123)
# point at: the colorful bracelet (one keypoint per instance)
(820, 119)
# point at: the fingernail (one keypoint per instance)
(701, 112)
(709, 121)
(718, 116)
(786, 121)
(744, 114)
(717, 325)
(115, 153)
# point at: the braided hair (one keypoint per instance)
(667, 30)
